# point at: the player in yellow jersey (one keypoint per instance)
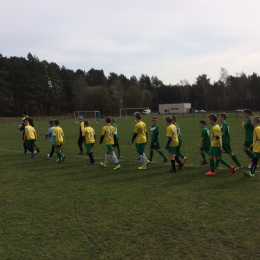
(216, 147)
(172, 144)
(140, 134)
(109, 134)
(89, 138)
(80, 140)
(58, 140)
(30, 137)
(256, 146)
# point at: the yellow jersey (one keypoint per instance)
(256, 140)
(216, 135)
(140, 130)
(89, 133)
(58, 133)
(108, 132)
(171, 131)
(30, 132)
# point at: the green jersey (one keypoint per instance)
(249, 130)
(154, 134)
(206, 135)
(225, 130)
(178, 131)
(115, 126)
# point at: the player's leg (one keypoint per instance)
(89, 148)
(145, 162)
(24, 144)
(80, 142)
(203, 155)
(151, 153)
(247, 150)
(251, 173)
(172, 159)
(162, 154)
(29, 147)
(177, 160)
(212, 153)
(118, 147)
(52, 152)
(224, 162)
(115, 160)
(36, 148)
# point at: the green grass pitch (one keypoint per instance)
(76, 211)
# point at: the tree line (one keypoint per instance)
(44, 88)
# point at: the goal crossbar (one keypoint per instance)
(96, 115)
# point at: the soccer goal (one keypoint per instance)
(93, 116)
(131, 111)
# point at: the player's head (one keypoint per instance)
(222, 116)
(212, 119)
(174, 119)
(51, 123)
(108, 119)
(138, 116)
(247, 113)
(154, 121)
(24, 113)
(26, 122)
(113, 120)
(56, 122)
(255, 120)
(81, 119)
(168, 120)
(202, 123)
(86, 123)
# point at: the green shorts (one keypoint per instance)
(140, 147)
(215, 151)
(256, 155)
(110, 148)
(29, 143)
(58, 145)
(155, 147)
(205, 149)
(227, 148)
(89, 147)
(172, 149)
(247, 143)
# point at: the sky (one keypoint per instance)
(171, 39)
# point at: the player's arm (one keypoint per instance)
(168, 142)
(146, 137)
(156, 137)
(201, 141)
(101, 139)
(35, 135)
(219, 143)
(133, 138)
(243, 123)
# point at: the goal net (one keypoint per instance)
(131, 111)
(92, 116)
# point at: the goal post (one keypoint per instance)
(90, 115)
(131, 110)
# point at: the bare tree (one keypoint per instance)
(204, 84)
(184, 84)
(223, 77)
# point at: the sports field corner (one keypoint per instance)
(78, 211)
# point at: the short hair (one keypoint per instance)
(248, 111)
(155, 118)
(113, 120)
(203, 122)
(51, 122)
(26, 121)
(108, 119)
(168, 119)
(24, 112)
(256, 119)
(223, 114)
(174, 118)
(86, 123)
(56, 122)
(138, 115)
(212, 117)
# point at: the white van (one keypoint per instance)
(146, 111)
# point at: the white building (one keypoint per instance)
(174, 108)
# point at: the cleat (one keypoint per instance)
(184, 159)
(147, 162)
(171, 170)
(251, 174)
(58, 160)
(232, 169)
(142, 168)
(62, 159)
(180, 166)
(247, 174)
(165, 160)
(117, 167)
(81, 152)
(33, 155)
(176, 164)
(24, 153)
(38, 150)
(238, 168)
(210, 173)
(103, 164)
(49, 156)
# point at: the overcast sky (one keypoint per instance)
(172, 39)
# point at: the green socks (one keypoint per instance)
(151, 156)
(119, 152)
(224, 162)
(248, 153)
(162, 154)
(181, 155)
(217, 163)
(59, 154)
(235, 160)
(203, 156)
(211, 162)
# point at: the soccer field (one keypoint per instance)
(76, 211)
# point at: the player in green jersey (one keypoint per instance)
(116, 138)
(249, 131)
(155, 141)
(226, 140)
(179, 154)
(204, 143)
